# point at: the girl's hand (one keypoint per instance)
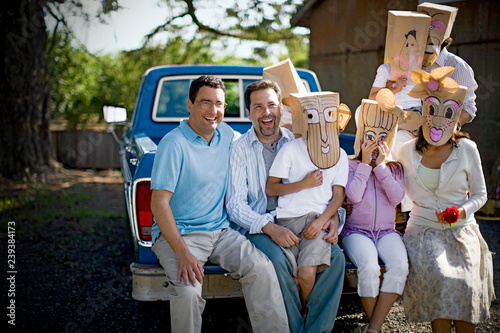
(367, 149)
(383, 152)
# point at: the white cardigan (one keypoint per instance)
(461, 174)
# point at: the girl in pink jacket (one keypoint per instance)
(374, 188)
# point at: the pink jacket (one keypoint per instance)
(373, 195)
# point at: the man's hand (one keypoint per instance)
(282, 236)
(463, 119)
(333, 234)
(190, 268)
(398, 85)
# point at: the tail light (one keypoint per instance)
(144, 214)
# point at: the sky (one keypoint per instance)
(126, 28)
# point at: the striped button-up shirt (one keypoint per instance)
(463, 75)
(246, 199)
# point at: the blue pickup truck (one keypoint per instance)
(160, 105)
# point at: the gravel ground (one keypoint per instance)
(72, 270)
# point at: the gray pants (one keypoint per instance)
(236, 254)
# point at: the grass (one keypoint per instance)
(41, 204)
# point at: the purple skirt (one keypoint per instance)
(373, 235)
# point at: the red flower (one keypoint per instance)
(450, 215)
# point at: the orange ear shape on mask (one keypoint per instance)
(344, 114)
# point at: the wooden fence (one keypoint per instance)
(85, 149)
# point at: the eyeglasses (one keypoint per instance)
(207, 105)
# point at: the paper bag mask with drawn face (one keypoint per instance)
(442, 19)
(287, 78)
(379, 120)
(375, 124)
(442, 103)
(407, 120)
(317, 118)
(405, 41)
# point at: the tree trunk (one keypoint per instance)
(24, 88)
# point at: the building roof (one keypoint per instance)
(301, 18)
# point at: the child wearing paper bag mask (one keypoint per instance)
(309, 175)
(374, 189)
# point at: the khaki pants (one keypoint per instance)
(309, 252)
(236, 254)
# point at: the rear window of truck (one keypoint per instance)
(172, 94)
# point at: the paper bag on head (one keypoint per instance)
(407, 120)
(374, 124)
(317, 118)
(442, 19)
(378, 120)
(442, 101)
(285, 75)
(405, 41)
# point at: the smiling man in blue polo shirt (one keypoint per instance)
(191, 226)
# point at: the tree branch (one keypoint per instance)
(261, 32)
(201, 26)
(58, 20)
(162, 28)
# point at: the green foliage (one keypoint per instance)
(250, 20)
(131, 65)
(175, 51)
(11, 203)
(298, 50)
(82, 82)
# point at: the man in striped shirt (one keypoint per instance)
(252, 212)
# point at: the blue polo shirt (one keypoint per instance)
(196, 173)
